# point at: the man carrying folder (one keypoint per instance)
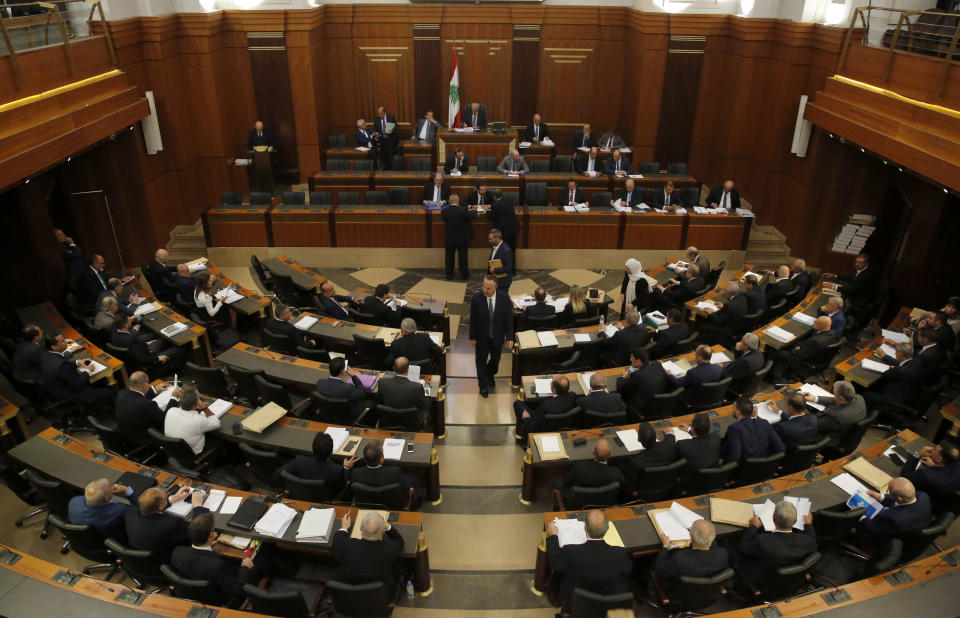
(500, 264)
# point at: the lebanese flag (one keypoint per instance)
(453, 117)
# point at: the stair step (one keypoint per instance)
(766, 232)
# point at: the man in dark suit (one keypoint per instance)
(703, 450)
(795, 360)
(475, 117)
(29, 353)
(63, 379)
(727, 197)
(618, 165)
(259, 136)
(413, 345)
(385, 132)
(379, 306)
(629, 195)
(199, 561)
(859, 288)
(843, 411)
(334, 387)
(457, 162)
(905, 511)
(184, 282)
(436, 192)
(136, 411)
(503, 252)
(932, 356)
(703, 558)
(631, 336)
(748, 359)
(530, 417)
(97, 507)
(801, 279)
(491, 326)
(150, 355)
(584, 138)
(654, 454)
(797, 427)
(899, 384)
(503, 217)
(151, 529)
(778, 289)
(749, 436)
(319, 467)
(667, 198)
(935, 470)
(540, 308)
(334, 304)
(92, 282)
(574, 194)
(158, 271)
(363, 136)
(281, 324)
(536, 130)
(374, 473)
(760, 553)
(457, 235)
(756, 300)
(667, 338)
(480, 197)
(678, 291)
(724, 325)
(593, 566)
(942, 331)
(72, 255)
(588, 162)
(426, 128)
(371, 558)
(697, 257)
(703, 371)
(594, 473)
(599, 400)
(833, 309)
(399, 392)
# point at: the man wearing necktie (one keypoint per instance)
(491, 326)
(513, 163)
(667, 197)
(457, 162)
(93, 282)
(574, 194)
(588, 162)
(260, 137)
(476, 119)
(618, 165)
(437, 192)
(629, 196)
(479, 196)
(537, 131)
(611, 139)
(726, 197)
(385, 132)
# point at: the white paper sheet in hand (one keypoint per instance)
(550, 444)
(680, 434)
(779, 334)
(610, 330)
(894, 336)
(164, 398)
(339, 435)
(230, 506)
(888, 350)
(146, 308)
(180, 508)
(305, 322)
(393, 448)
(214, 500)
(872, 365)
(765, 513)
(684, 515)
(719, 357)
(672, 369)
(848, 483)
(95, 368)
(803, 509)
(670, 527)
(630, 439)
(543, 386)
(570, 532)
(769, 412)
(581, 337)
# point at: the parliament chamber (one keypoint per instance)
(479, 308)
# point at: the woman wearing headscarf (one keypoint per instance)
(634, 291)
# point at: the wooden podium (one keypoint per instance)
(262, 174)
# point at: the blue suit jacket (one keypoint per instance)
(838, 322)
(505, 255)
(939, 482)
(480, 318)
(749, 438)
(897, 521)
(108, 519)
(363, 137)
(332, 306)
(352, 391)
(702, 372)
(797, 430)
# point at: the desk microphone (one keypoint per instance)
(92, 579)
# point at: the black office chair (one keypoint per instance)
(315, 354)
(540, 165)
(402, 419)
(140, 565)
(348, 198)
(561, 422)
(337, 140)
(211, 381)
(289, 598)
(311, 490)
(834, 526)
(338, 165)
(705, 480)
(293, 198)
(586, 604)
(587, 321)
(259, 198)
(676, 168)
(595, 418)
(264, 280)
(708, 395)
(662, 405)
(420, 164)
(775, 310)
(200, 590)
(114, 442)
(286, 291)
(691, 196)
(563, 163)
(399, 162)
(684, 345)
(56, 496)
(363, 318)
(318, 198)
(180, 457)
(21, 488)
(230, 198)
(581, 497)
(851, 439)
(335, 411)
(360, 600)
(748, 385)
(918, 542)
(536, 194)
(752, 321)
(538, 323)
(783, 581)
(375, 198)
(399, 196)
(278, 343)
(263, 464)
(758, 469)
(714, 275)
(391, 496)
(659, 482)
(270, 392)
(802, 457)
(486, 164)
(421, 315)
(371, 352)
(600, 199)
(818, 365)
(690, 594)
(647, 167)
(86, 541)
(245, 386)
(363, 165)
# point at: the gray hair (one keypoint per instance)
(108, 303)
(693, 269)
(189, 397)
(372, 527)
(496, 233)
(844, 390)
(732, 287)
(836, 301)
(598, 380)
(905, 349)
(633, 317)
(801, 264)
(361, 124)
(98, 492)
(703, 533)
(751, 341)
(704, 352)
(408, 325)
(784, 515)
(596, 524)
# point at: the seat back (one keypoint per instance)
(337, 139)
(263, 464)
(709, 394)
(371, 352)
(714, 275)
(420, 315)
(56, 494)
(175, 448)
(595, 418)
(916, 543)
(591, 352)
(84, 539)
(659, 482)
(886, 559)
(776, 309)
(270, 392)
(406, 419)
(691, 196)
(547, 322)
(685, 345)
(802, 457)
(563, 163)
(363, 165)
(201, 590)
(540, 165)
(363, 318)
(600, 199)
(823, 359)
(331, 410)
(587, 321)
(139, 565)
(210, 381)
(536, 194)
(787, 579)
(320, 197)
(246, 388)
(348, 198)
(750, 384)
(337, 165)
(851, 439)
(315, 354)
(375, 198)
(692, 593)
(662, 405)
(834, 526)
(581, 496)
(311, 490)
(265, 280)
(757, 469)
(586, 604)
(399, 162)
(705, 480)
(391, 496)
(399, 196)
(420, 164)
(568, 420)
(289, 603)
(360, 600)
(648, 167)
(231, 198)
(676, 168)
(486, 164)
(277, 342)
(259, 198)
(293, 197)
(286, 291)
(110, 437)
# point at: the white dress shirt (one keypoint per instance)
(423, 131)
(190, 425)
(206, 301)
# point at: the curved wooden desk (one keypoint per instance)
(851, 369)
(195, 335)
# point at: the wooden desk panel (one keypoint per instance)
(480, 144)
(656, 181)
(718, 231)
(464, 184)
(304, 278)
(389, 226)
(237, 226)
(654, 231)
(415, 149)
(302, 226)
(810, 305)
(851, 369)
(550, 228)
(414, 181)
(537, 152)
(349, 154)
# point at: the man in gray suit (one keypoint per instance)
(611, 140)
(109, 307)
(513, 163)
(843, 410)
(426, 129)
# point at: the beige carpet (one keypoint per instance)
(376, 276)
(523, 287)
(450, 291)
(576, 276)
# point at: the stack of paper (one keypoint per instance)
(197, 265)
(610, 330)
(868, 473)
(674, 524)
(305, 322)
(164, 397)
(779, 334)
(146, 308)
(570, 532)
(542, 385)
(523, 301)
(582, 207)
(528, 340)
(804, 319)
(671, 368)
(894, 336)
(230, 506)
(743, 212)
(872, 365)
(220, 407)
(547, 338)
(276, 520)
(229, 295)
(316, 526)
(550, 446)
(214, 499)
(362, 148)
(393, 448)
(583, 337)
(680, 434)
(655, 319)
(630, 439)
(769, 412)
(731, 512)
(174, 329)
(339, 436)
(707, 304)
(803, 509)
(847, 483)
(182, 508)
(816, 391)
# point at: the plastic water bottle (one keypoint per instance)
(601, 320)
(410, 592)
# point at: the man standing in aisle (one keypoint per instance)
(491, 325)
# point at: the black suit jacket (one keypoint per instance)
(812, 343)
(27, 357)
(662, 453)
(544, 131)
(378, 477)
(625, 339)
(667, 339)
(578, 197)
(700, 451)
(502, 216)
(466, 116)
(580, 142)
(362, 561)
(415, 347)
(136, 413)
(860, 288)
(684, 291)
(428, 191)
(802, 280)
(380, 310)
(228, 576)
(729, 319)
(480, 318)
(743, 365)
(293, 334)
(398, 392)
(897, 521)
(640, 386)
(900, 383)
(634, 199)
(379, 126)
(260, 140)
(676, 198)
(306, 467)
(474, 198)
(756, 300)
(716, 195)
(333, 307)
(939, 482)
(796, 430)
(610, 166)
(143, 356)
(672, 564)
(591, 474)
(593, 566)
(431, 130)
(539, 310)
(581, 162)
(549, 407)
(73, 257)
(159, 533)
(89, 286)
(451, 164)
(352, 391)
(762, 552)
(750, 438)
(62, 380)
(458, 230)
(777, 291)
(505, 255)
(600, 401)
(157, 273)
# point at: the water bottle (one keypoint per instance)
(601, 320)
(410, 592)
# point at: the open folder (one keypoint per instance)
(674, 524)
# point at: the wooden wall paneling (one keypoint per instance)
(304, 78)
(912, 75)
(680, 95)
(233, 79)
(567, 79)
(44, 68)
(524, 73)
(430, 89)
(385, 74)
(343, 106)
(271, 86)
(484, 60)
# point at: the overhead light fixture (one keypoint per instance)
(27, 181)
(862, 150)
(68, 159)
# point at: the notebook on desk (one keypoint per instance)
(248, 514)
(137, 482)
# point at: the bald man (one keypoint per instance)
(98, 508)
(727, 197)
(905, 511)
(475, 117)
(513, 164)
(183, 281)
(370, 558)
(779, 286)
(593, 566)
(594, 473)
(794, 360)
(702, 558)
(158, 270)
(259, 136)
